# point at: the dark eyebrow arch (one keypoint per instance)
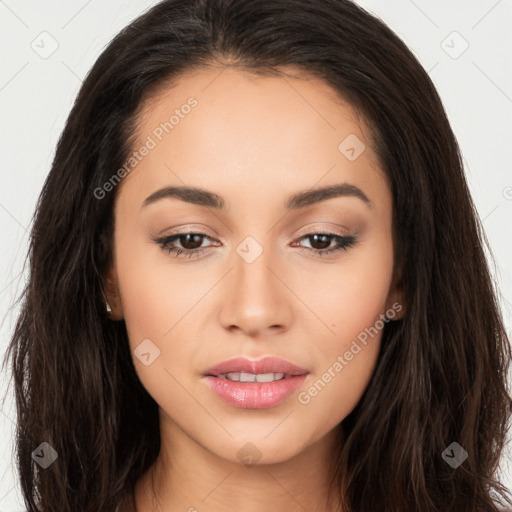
(315, 195)
(298, 200)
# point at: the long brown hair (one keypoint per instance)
(441, 373)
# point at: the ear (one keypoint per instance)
(113, 296)
(396, 303)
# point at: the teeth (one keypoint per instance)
(247, 377)
(269, 377)
(251, 377)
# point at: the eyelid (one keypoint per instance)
(327, 228)
(183, 231)
(343, 241)
(330, 228)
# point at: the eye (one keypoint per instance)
(325, 240)
(191, 244)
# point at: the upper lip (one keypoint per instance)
(265, 365)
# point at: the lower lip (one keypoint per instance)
(254, 395)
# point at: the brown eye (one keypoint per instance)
(324, 241)
(190, 244)
(321, 241)
(191, 241)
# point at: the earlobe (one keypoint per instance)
(396, 306)
(113, 304)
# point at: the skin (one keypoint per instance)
(254, 141)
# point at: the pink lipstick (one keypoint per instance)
(251, 384)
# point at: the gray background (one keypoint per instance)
(48, 47)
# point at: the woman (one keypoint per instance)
(257, 278)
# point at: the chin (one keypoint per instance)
(258, 449)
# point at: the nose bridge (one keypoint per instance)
(253, 261)
(256, 298)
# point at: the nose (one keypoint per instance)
(255, 297)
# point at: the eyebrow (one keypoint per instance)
(201, 197)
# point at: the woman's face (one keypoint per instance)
(258, 285)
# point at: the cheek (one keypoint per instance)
(165, 304)
(351, 295)
(333, 392)
(155, 293)
(351, 306)
(154, 306)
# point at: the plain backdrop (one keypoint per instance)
(48, 47)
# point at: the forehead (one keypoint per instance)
(232, 94)
(263, 132)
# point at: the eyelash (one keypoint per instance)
(344, 243)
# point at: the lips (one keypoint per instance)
(249, 384)
(261, 366)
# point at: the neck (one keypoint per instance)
(188, 477)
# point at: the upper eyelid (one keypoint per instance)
(176, 235)
(341, 231)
